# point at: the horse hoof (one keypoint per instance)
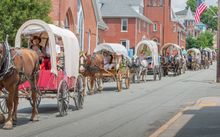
(34, 119)
(91, 93)
(8, 126)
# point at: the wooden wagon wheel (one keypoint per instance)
(79, 92)
(155, 73)
(127, 79)
(63, 98)
(3, 101)
(160, 72)
(38, 98)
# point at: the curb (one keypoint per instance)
(165, 126)
(199, 103)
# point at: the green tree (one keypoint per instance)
(208, 17)
(191, 42)
(205, 40)
(15, 12)
(191, 4)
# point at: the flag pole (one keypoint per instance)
(218, 47)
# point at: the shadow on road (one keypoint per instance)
(44, 109)
(205, 122)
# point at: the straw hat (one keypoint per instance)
(36, 37)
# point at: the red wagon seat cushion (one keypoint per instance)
(48, 81)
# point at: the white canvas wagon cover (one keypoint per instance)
(208, 49)
(197, 51)
(70, 42)
(174, 46)
(153, 48)
(113, 48)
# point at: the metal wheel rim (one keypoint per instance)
(63, 98)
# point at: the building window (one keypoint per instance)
(156, 40)
(80, 24)
(155, 3)
(161, 2)
(124, 25)
(155, 27)
(66, 23)
(125, 43)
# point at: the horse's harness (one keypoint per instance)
(9, 66)
(6, 66)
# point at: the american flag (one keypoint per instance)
(200, 9)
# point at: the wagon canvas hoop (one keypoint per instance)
(116, 48)
(70, 42)
(196, 51)
(153, 48)
(174, 46)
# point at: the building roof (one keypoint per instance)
(101, 24)
(174, 18)
(122, 8)
(182, 12)
(189, 15)
(186, 14)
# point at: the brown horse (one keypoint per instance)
(92, 67)
(17, 66)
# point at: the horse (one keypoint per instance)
(177, 64)
(204, 61)
(138, 68)
(16, 67)
(92, 67)
(164, 64)
(173, 64)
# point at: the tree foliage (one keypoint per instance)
(15, 12)
(191, 42)
(204, 40)
(208, 17)
(191, 4)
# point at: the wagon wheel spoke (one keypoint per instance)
(63, 98)
(3, 101)
(79, 93)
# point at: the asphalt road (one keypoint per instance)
(136, 112)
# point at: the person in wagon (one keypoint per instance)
(60, 52)
(35, 45)
(142, 59)
(108, 61)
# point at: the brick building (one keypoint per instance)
(167, 28)
(80, 16)
(126, 23)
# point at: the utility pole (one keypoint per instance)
(218, 46)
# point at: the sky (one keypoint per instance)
(178, 5)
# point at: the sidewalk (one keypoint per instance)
(200, 120)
